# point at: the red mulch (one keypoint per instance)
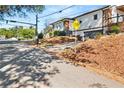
(106, 53)
(59, 39)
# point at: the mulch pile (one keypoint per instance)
(59, 39)
(106, 53)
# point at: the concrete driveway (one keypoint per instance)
(24, 66)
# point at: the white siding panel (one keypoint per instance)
(89, 22)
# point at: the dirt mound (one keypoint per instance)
(59, 39)
(106, 53)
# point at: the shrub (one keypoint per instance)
(115, 29)
(59, 33)
(62, 33)
(40, 36)
(56, 33)
(50, 34)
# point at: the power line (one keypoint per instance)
(56, 12)
(66, 16)
(3, 23)
(12, 24)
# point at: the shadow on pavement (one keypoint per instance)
(97, 85)
(29, 69)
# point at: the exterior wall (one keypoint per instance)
(58, 26)
(120, 19)
(87, 21)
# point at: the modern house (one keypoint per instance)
(99, 20)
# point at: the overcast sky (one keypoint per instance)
(71, 12)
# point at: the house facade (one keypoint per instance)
(90, 23)
(63, 24)
(99, 20)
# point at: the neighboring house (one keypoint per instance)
(63, 24)
(113, 15)
(99, 20)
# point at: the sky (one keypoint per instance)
(69, 13)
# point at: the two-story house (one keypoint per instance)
(92, 22)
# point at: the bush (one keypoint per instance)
(50, 34)
(62, 33)
(40, 36)
(59, 33)
(56, 33)
(115, 29)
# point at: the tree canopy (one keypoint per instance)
(21, 10)
(18, 32)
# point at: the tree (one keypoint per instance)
(8, 33)
(27, 33)
(20, 32)
(21, 10)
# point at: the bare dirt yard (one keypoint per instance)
(105, 54)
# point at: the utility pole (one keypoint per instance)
(36, 32)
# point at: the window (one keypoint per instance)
(60, 26)
(95, 17)
(80, 22)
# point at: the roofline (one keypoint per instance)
(92, 11)
(81, 14)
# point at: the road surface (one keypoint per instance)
(24, 66)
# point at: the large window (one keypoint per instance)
(95, 17)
